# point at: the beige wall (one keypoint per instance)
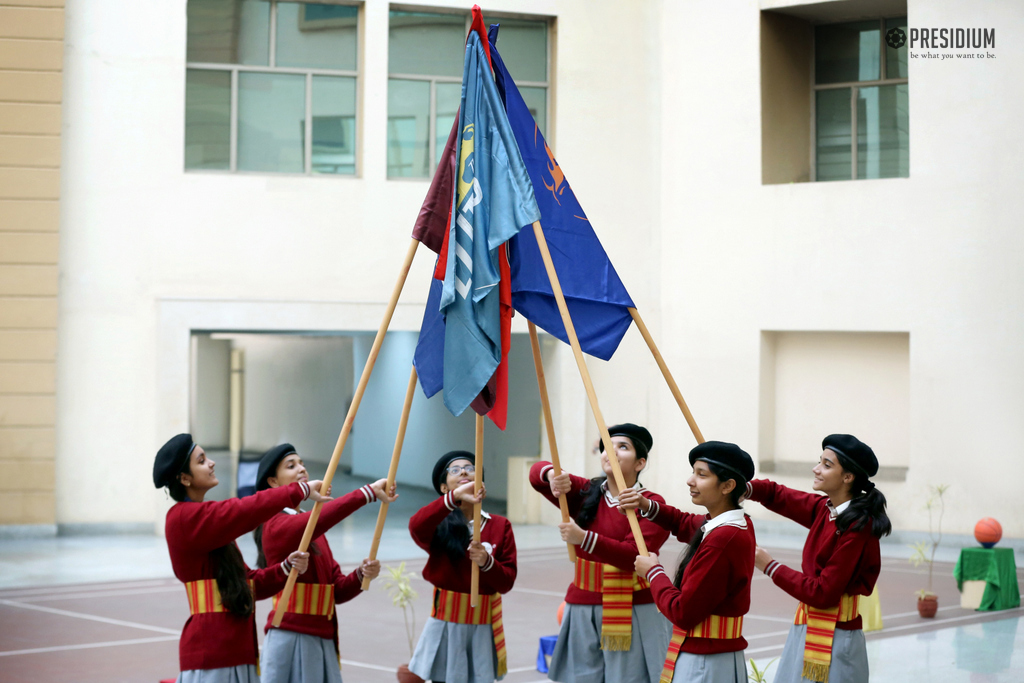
(31, 57)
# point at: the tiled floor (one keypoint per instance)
(108, 609)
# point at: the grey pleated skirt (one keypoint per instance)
(243, 673)
(849, 658)
(455, 653)
(725, 667)
(578, 657)
(290, 657)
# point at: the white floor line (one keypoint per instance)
(772, 634)
(537, 591)
(966, 617)
(104, 594)
(26, 592)
(91, 617)
(87, 646)
(522, 669)
(914, 613)
(781, 620)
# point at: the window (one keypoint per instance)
(425, 57)
(271, 87)
(861, 112)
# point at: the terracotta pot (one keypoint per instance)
(406, 676)
(927, 606)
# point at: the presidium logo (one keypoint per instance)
(895, 38)
(945, 39)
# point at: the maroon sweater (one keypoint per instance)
(609, 539)
(497, 576)
(834, 563)
(717, 580)
(282, 534)
(220, 639)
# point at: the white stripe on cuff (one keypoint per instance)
(449, 501)
(544, 472)
(589, 541)
(490, 564)
(653, 511)
(286, 567)
(368, 492)
(305, 490)
(655, 571)
(772, 567)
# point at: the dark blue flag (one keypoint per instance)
(597, 300)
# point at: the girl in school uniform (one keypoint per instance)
(841, 561)
(462, 644)
(607, 633)
(218, 642)
(305, 647)
(711, 591)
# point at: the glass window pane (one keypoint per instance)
(317, 36)
(408, 128)
(449, 97)
(426, 44)
(524, 49)
(229, 31)
(334, 125)
(847, 52)
(883, 132)
(207, 119)
(271, 122)
(833, 149)
(896, 60)
(537, 101)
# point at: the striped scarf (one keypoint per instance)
(316, 599)
(455, 608)
(204, 596)
(821, 627)
(616, 588)
(719, 628)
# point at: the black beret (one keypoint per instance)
(171, 459)
(726, 455)
(854, 454)
(268, 464)
(440, 474)
(638, 434)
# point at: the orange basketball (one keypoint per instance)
(988, 532)
(561, 611)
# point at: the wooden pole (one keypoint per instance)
(474, 592)
(668, 375)
(542, 386)
(307, 536)
(587, 384)
(382, 514)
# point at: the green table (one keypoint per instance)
(994, 566)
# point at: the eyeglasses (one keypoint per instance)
(459, 469)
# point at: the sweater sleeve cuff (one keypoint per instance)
(286, 567)
(449, 501)
(655, 571)
(368, 493)
(544, 472)
(750, 491)
(305, 490)
(589, 541)
(490, 564)
(772, 567)
(652, 512)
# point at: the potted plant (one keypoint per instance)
(923, 552)
(759, 675)
(402, 595)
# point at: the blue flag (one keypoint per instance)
(597, 300)
(493, 200)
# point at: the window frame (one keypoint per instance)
(309, 73)
(434, 80)
(854, 86)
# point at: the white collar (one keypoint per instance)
(611, 500)
(734, 518)
(291, 511)
(834, 512)
(484, 518)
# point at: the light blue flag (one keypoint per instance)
(493, 200)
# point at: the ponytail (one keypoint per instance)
(452, 536)
(261, 559)
(866, 510)
(591, 498)
(229, 569)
